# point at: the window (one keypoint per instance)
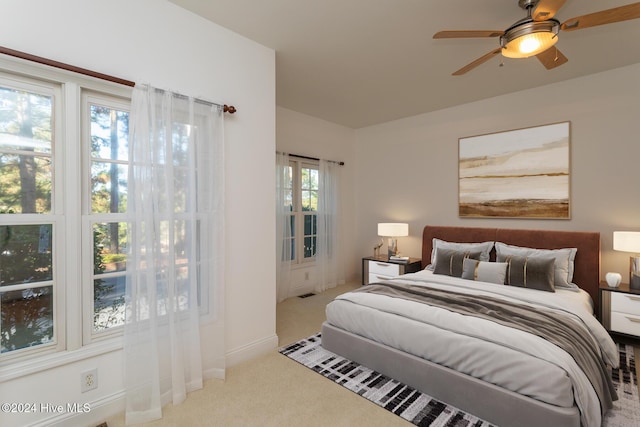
(304, 205)
(106, 141)
(63, 188)
(28, 193)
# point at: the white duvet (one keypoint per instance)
(504, 356)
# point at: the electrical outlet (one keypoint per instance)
(89, 380)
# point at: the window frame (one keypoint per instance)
(37, 86)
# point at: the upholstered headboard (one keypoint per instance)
(587, 263)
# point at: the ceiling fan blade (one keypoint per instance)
(546, 9)
(477, 62)
(609, 16)
(552, 58)
(466, 34)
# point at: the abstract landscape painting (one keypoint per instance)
(521, 173)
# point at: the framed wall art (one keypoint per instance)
(522, 173)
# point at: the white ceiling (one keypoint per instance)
(363, 62)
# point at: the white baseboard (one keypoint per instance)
(85, 414)
(251, 350)
(212, 373)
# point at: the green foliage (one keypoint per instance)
(26, 127)
(109, 146)
(27, 318)
(25, 257)
(25, 254)
(104, 310)
(111, 258)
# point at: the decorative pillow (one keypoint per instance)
(530, 272)
(484, 248)
(564, 259)
(492, 272)
(449, 261)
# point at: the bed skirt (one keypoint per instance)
(484, 400)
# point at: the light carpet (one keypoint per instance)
(423, 410)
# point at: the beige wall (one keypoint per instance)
(406, 170)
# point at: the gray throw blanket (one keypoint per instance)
(553, 326)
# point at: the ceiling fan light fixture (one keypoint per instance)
(529, 38)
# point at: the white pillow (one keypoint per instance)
(564, 259)
(492, 272)
(484, 248)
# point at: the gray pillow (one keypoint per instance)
(449, 261)
(492, 272)
(529, 272)
(564, 259)
(484, 248)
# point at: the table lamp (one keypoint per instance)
(392, 230)
(629, 241)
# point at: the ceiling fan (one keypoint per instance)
(538, 32)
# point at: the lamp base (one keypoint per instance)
(634, 272)
(392, 247)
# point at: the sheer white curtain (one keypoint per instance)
(175, 257)
(284, 205)
(329, 260)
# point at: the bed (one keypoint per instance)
(499, 373)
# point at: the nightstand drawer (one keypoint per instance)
(374, 277)
(384, 268)
(625, 323)
(625, 303)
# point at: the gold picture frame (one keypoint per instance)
(521, 173)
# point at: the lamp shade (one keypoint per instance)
(393, 229)
(626, 241)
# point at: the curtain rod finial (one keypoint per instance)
(229, 109)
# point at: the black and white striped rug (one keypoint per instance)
(423, 410)
(626, 410)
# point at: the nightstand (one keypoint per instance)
(381, 268)
(620, 309)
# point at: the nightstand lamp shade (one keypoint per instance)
(629, 241)
(393, 230)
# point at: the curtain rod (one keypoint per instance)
(313, 158)
(61, 65)
(227, 108)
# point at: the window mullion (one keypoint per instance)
(69, 148)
